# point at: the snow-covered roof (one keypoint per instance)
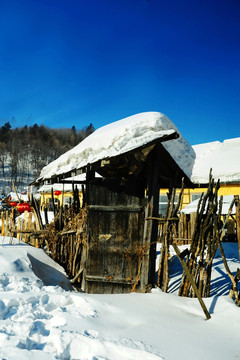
(57, 186)
(120, 137)
(14, 197)
(227, 200)
(222, 157)
(67, 187)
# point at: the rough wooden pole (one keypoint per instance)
(53, 204)
(153, 201)
(237, 216)
(208, 316)
(19, 200)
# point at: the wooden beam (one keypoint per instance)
(161, 219)
(114, 208)
(108, 279)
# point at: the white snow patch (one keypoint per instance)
(223, 158)
(40, 321)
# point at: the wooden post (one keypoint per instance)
(29, 221)
(63, 197)
(25, 224)
(193, 217)
(153, 206)
(7, 224)
(18, 229)
(208, 316)
(45, 215)
(19, 200)
(36, 213)
(185, 226)
(53, 204)
(237, 216)
(3, 224)
(43, 199)
(83, 197)
(180, 226)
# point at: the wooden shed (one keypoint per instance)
(121, 250)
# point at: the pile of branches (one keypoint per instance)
(204, 243)
(169, 231)
(207, 237)
(65, 241)
(206, 240)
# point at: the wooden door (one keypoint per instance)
(117, 257)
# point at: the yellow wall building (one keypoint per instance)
(65, 198)
(223, 159)
(190, 195)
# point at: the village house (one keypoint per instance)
(138, 159)
(60, 193)
(211, 156)
(135, 157)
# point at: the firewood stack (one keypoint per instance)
(204, 244)
(207, 237)
(66, 244)
(169, 231)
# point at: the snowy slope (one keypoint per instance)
(40, 320)
(120, 137)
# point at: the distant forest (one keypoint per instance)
(25, 151)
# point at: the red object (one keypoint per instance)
(24, 207)
(57, 192)
(13, 203)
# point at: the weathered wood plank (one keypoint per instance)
(108, 280)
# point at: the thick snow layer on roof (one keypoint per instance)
(120, 137)
(223, 158)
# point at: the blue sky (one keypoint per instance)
(76, 62)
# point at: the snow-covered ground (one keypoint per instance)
(41, 318)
